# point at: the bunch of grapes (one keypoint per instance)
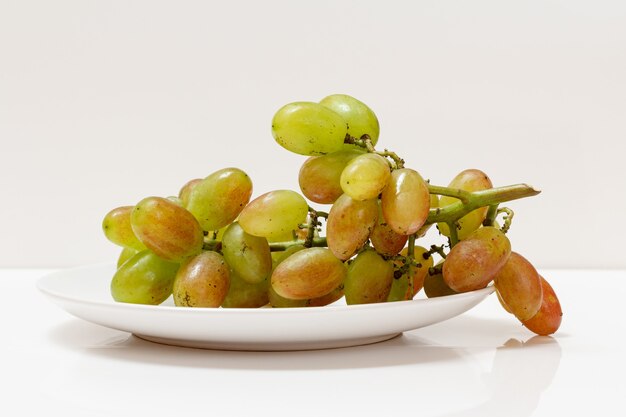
(211, 246)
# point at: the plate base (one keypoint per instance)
(268, 346)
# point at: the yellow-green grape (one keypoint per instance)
(349, 225)
(434, 203)
(278, 257)
(218, 199)
(319, 176)
(360, 118)
(327, 299)
(519, 286)
(274, 214)
(175, 200)
(405, 201)
(125, 255)
(435, 286)
(384, 239)
(400, 289)
(277, 301)
(185, 191)
(117, 228)
(202, 281)
(242, 294)
(417, 273)
(167, 229)
(365, 176)
(309, 273)
(468, 180)
(144, 279)
(474, 262)
(249, 256)
(309, 128)
(369, 279)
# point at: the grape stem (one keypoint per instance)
(366, 142)
(508, 218)
(281, 246)
(490, 219)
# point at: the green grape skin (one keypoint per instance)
(249, 256)
(175, 200)
(384, 239)
(365, 176)
(435, 286)
(369, 279)
(327, 299)
(242, 294)
(274, 214)
(277, 301)
(349, 225)
(278, 257)
(144, 279)
(308, 128)
(474, 262)
(309, 273)
(218, 199)
(548, 319)
(186, 189)
(467, 180)
(415, 275)
(405, 201)
(202, 281)
(125, 255)
(117, 228)
(519, 286)
(320, 176)
(360, 118)
(167, 229)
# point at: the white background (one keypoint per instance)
(104, 103)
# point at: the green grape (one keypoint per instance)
(365, 176)
(144, 279)
(424, 263)
(278, 257)
(242, 294)
(175, 200)
(384, 239)
(468, 180)
(360, 118)
(117, 228)
(202, 281)
(320, 176)
(405, 201)
(167, 229)
(218, 199)
(125, 255)
(548, 319)
(185, 191)
(327, 299)
(277, 301)
(435, 286)
(399, 290)
(274, 214)
(474, 262)
(369, 279)
(519, 286)
(411, 278)
(349, 225)
(309, 273)
(249, 256)
(309, 129)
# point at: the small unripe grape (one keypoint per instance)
(117, 228)
(319, 176)
(349, 225)
(144, 279)
(202, 281)
(405, 201)
(369, 279)
(468, 180)
(167, 229)
(309, 128)
(519, 286)
(309, 273)
(365, 176)
(274, 214)
(242, 294)
(474, 262)
(360, 118)
(125, 255)
(218, 199)
(548, 319)
(384, 239)
(248, 255)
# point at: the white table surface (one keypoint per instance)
(483, 363)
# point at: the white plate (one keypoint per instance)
(84, 292)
